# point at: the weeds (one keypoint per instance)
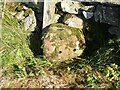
(17, 58)
(99, 69)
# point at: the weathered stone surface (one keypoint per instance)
(49, 12)
(56, 18)
(25, 15)
(73, 21)
(87, 8)
(87, 14)
(88, 11)
(106, 14)
(37, 7)
(71, 6)
(62, 42)
(109, 15)
(30, 22)
(116, 2)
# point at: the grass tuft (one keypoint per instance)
(17, 58)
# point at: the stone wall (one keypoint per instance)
(58, 19)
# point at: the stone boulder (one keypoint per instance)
(71, 6)
(30, 22)
(109, 15)
(73, 21)
(114, 2)
(106, 14)
(49, 13)
(26, 16)
(61, 42)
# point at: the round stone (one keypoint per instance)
(62, 42)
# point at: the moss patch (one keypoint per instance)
(67, 16)
(65, 40)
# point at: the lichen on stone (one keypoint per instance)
(81, 5)
(28, 12)
(67, 16)
(73, 21)
(62, 42)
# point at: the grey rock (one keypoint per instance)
(49, 12)
(88, 11)
(37, 7)
(56, 18)
(107, 14)
(87, 8)
(70, 6)
(73, 21)
(30, 22)
(27, 16)
(116, 2)
(87, 14)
